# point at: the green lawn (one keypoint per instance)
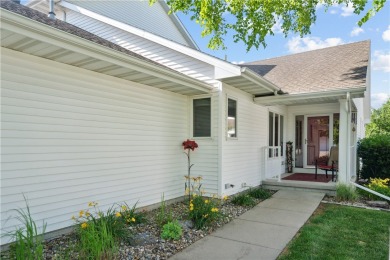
(341, 232)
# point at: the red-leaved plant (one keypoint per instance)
(188, 147)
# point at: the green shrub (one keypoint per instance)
(163, 216)
(374, 151)
(172, 230)
(259, 193)
(99, 231)
(28, 240)
(378, 185)
(243, 199)
(203, 211)
(346, 192)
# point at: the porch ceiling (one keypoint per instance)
(22, 34)
(310, 98)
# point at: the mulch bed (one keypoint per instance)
(308, 177)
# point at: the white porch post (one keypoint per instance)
(343, 142)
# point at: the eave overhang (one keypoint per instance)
(252, 83)
(332, 96)
(23, 34)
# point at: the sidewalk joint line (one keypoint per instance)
(273, 224)
(246, 242)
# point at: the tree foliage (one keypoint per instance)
(253, 20)
(380, 121)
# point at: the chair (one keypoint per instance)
(332, 163)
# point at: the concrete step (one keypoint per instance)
(327, 188)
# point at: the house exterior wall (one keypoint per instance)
(360, 126)
(70, 136)
(206, 157)
(243, 157)
(137, 13)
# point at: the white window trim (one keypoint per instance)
(191, 117)
(226, 117)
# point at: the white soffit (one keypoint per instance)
(309, 98)
(31, 37)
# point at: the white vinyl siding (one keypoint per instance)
(153, 19)
(206, 157)
(151, 50)
(242, 156)
(70, 136)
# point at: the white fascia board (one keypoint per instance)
(259, 80)
(179, 25)
(228, 67)
(305, 96)
(367, 94)
(39, 31)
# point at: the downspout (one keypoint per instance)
(348, 108)
(51, 15)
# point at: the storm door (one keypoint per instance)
(317, 139)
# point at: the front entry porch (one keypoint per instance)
(328, 188)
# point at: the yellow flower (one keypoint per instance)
(73, 217)
(133, 219)
(206, 201)
(84, 225)
(118, 214)
(225, 198)
(124, 208)
(92, 204)
(214, 210)
(186, 177)
(81, 213)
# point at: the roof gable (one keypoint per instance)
(334, 68)
(153, 19)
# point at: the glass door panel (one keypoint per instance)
(317, 139)
(298, 141)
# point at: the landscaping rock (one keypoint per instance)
(146, 242)
(378, 204)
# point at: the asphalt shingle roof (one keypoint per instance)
(333, 68)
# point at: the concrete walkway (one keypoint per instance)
(260, 233)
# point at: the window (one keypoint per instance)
(232, 118)
(275, 134)
(202, 117)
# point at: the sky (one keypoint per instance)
(336, 26)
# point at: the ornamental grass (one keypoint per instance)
(99, 232)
